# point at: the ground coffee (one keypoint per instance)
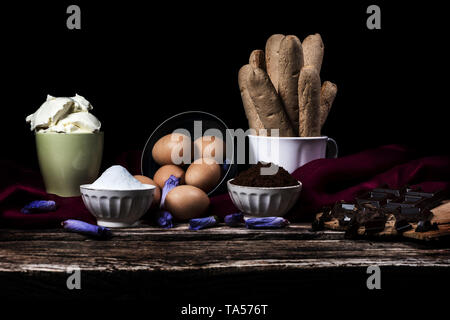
(253, 178)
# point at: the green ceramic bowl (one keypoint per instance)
(68, 160)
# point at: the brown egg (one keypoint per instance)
(156, 194)
(186, 202)
(174, 145)
(203, 174)
(164, 173)
(209, 147)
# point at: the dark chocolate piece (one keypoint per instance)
(425, 225)
(393, 192)
(421, 194)
(413, 214)
(378, 197)
(375, 203)
(404, 202)
(402, 226)
(374, 207)
(319, 224)
(375, 199)
(375, 224)
(348, 206)
(341, 208)
(345, 220)
(352, 230)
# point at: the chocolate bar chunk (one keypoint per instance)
(424, 226)
(373, 208)
(345, 220)
(319, 224)
(341, 210)
(375, 199)
(402, 226)
(393, 192)
(413, 214)
(352, 230)
(375, 225)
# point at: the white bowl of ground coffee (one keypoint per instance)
(264, 195)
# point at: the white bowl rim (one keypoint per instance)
(266, 188)
(290, 138)
(88, 187)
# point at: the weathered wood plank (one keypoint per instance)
(220, 250)
(179, 233)
(163, 265)
(211, 256)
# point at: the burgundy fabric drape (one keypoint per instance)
(325, 181)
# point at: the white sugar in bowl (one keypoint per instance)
(117, 208)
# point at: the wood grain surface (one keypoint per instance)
(219, 250)
(35, 262)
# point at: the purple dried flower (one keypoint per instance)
(202, 223)
(39, 206)
(87, 229)
(170, 183)
(164, 219)
(266, 223)
(234, 220)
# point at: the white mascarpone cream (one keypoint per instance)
(65, 115)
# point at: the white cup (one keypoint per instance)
(290, 152)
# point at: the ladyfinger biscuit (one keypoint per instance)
(257, 59)
(313, 51)
(250, 111)
(289, 65)
(272, 58)
(309, 102)
(267, 103)
(327, 95)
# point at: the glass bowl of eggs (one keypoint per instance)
(197, 148)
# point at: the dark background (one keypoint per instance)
(138, 65)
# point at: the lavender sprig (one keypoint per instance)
(234, 219)
(85, 228)
(202, 223)
(164, 219)
(170, 183)
(266, 223)
(39, 206)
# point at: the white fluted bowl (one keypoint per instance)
(262, 201)
(117, 208)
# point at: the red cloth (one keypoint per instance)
(19, 186)
(326, 181)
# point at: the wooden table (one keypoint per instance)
(218, 263)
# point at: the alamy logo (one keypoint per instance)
(74, 20)
(74, 280)
(374, 280)
(374, 20)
